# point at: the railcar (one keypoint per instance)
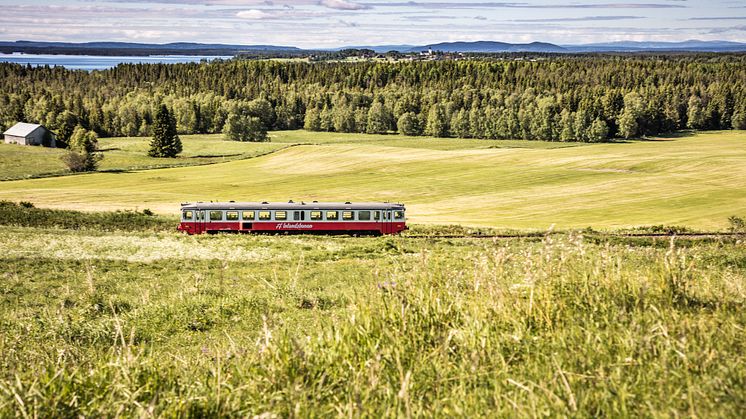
(292, 217)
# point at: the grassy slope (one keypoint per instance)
(697, 181)
(130, 153)
(17, 162)
(142, 323)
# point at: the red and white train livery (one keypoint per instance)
(291, 217)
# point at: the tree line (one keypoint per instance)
(587, 98)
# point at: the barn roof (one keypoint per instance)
(22, 129)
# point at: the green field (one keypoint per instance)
(122, 154)
(695, 180)
(100, 322)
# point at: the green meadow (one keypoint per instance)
(102, 319)
(694, 180)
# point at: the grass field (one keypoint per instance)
(130, 153)
(122, 154)
(692, 180)
(100, 322)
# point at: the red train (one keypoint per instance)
(291, 217)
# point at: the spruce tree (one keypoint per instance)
(165, 142)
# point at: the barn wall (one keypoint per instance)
(12, 139)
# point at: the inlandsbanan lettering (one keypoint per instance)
(297, 226)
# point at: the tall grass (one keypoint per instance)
(380, 327)
(12, 214)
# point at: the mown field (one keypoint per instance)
(100, 317)
(695, 180)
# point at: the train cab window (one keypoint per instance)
(248, 215)
(332, 215)
(187, 215)
(281, 215)
(231, 215)
(363, 215)
(376, 215)
(316, 215)
(399, 215)
(265, 215)
(348, 215)
(216, 215)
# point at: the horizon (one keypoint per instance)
(329, 24)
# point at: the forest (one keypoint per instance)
(578, 98)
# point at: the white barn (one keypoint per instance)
(29, 134)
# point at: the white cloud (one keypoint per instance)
(342, 5)
(254, 14)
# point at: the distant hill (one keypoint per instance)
(545, 47)
(632, 46)
(489, 46)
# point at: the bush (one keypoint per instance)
(737, 224)
(81, 161)
(83, 155)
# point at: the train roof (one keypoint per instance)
(292, 206)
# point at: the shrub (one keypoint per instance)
(81, 162)
(83, 155)
(737, 224)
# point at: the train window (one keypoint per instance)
(248, 215)
(363, 215)
(376, 215)
(200, 215)
(231, 215)
(188, 215)
(265, 215)
(216, 215)
(348, 215)
(332, 215)
(281, 215)
(299, 215)
(316, 215)
(399, 215)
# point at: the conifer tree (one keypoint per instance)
(165, 142)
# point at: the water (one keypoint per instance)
(94, 62)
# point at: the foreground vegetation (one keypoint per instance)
(588, 98)
(104, 322)
(693, 180)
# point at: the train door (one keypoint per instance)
(387, 226)
(200, 223)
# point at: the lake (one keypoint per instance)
(92, 62)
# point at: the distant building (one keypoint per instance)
(29, 134)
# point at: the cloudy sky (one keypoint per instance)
(332, 23)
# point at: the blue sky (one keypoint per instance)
(332, 23)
